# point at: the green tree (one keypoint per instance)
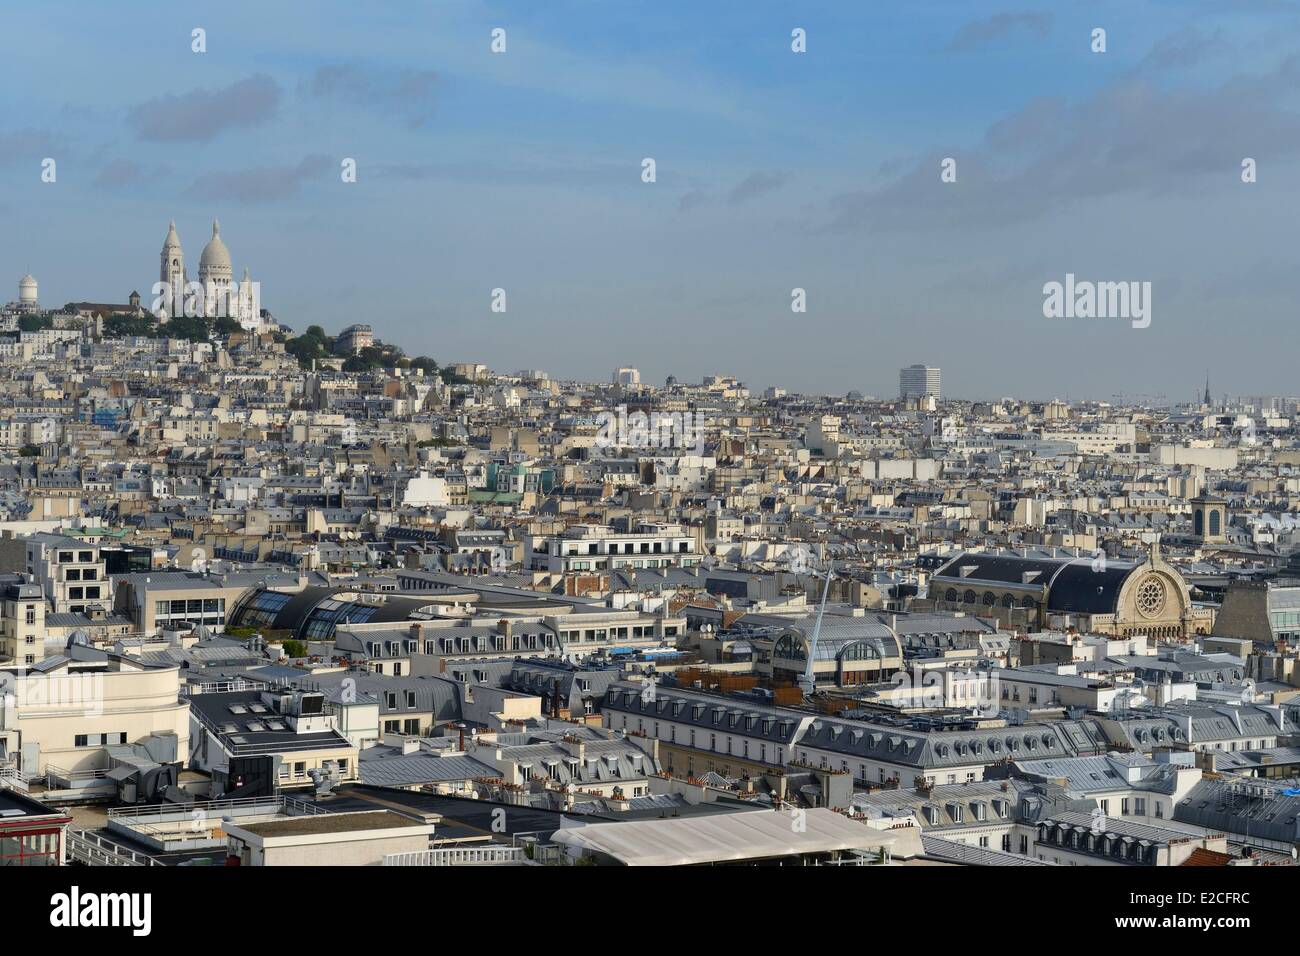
(317, 334)
(306, 348)
(35, 323)
(194, 328)
(372, 357)
(123, 324)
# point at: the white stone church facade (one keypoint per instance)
(214, 294)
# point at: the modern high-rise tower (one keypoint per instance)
(918, 381)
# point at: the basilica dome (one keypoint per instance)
(216, 257)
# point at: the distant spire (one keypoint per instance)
(1208, 400)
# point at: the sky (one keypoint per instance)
(774, 170)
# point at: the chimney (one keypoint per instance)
(576, 747)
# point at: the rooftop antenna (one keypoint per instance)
(808, 683)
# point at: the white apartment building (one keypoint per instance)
(1099, 440)
(597, 548)
(44, 341)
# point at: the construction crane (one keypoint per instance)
(808, 682)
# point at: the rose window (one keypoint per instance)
(1151, 597)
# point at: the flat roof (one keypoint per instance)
(15, 806)
(331, 823)
(728, 837)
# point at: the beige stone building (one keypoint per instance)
(22, 624)
(66, 715)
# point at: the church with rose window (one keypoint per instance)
(1037, 590)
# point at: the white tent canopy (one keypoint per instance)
(727, 837)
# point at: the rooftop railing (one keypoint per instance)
(58, 778)
(11, 778)
(493, 855)
(220, 687)
(94, 849)
(291, 806)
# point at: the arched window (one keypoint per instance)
(990, 599)
(790, 647)
(860, 651)
(969, 597)
(1214, 522)
(951, 595)
(1198, 521)
(1027, 601)
(1008, 601)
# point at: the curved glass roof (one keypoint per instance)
(313, 614)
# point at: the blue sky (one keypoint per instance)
(775, 170)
